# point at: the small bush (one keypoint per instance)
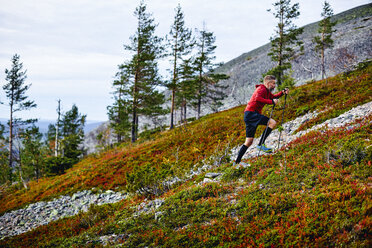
(351, 152)
(232, 174)
(148, 180)
(57, 165)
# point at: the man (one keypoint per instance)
(253, 117)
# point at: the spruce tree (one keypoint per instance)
(325, 30)
(186, 90)
(141, 71)
(5, 171)
(180, 42)
(286, 37)
(32, 152)
(120, 111)
(15, 91)
(72, 134)
(51, 139)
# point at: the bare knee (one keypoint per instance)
(272, 123)
(248, 142)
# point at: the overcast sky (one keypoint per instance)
(71, 48)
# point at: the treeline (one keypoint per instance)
(27, 154)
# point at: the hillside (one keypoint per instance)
(352, 45)
(179, 189)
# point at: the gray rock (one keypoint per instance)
(213, 175)
(207, 180)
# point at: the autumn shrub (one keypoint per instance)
(350, 152)
(232, 174)
(149, 180)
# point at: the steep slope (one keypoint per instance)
(313, 192)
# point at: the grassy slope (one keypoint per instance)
(320, 197)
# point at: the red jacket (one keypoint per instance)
(260, 97)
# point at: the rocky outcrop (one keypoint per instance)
(41, 213)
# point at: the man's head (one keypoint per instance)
(270, 82)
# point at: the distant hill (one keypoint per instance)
(352, 44)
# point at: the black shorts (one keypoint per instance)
(252, 120)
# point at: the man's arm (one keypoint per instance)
(279, 94)
(260, 97)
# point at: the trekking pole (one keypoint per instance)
(281, 125)
(280, 133)
(271, 114)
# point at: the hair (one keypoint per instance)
(268, 78)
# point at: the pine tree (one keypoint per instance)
(282, 44)
(206, 81)
(142, 71)
(180, 42)
(15, 91)
(325, 30)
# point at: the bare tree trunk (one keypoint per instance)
(307, 69)
(199, 95)
(56, 147)
(11, 135)
(134, 118)
(20, 176)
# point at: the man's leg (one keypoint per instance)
(248, 142)
(270, 126)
